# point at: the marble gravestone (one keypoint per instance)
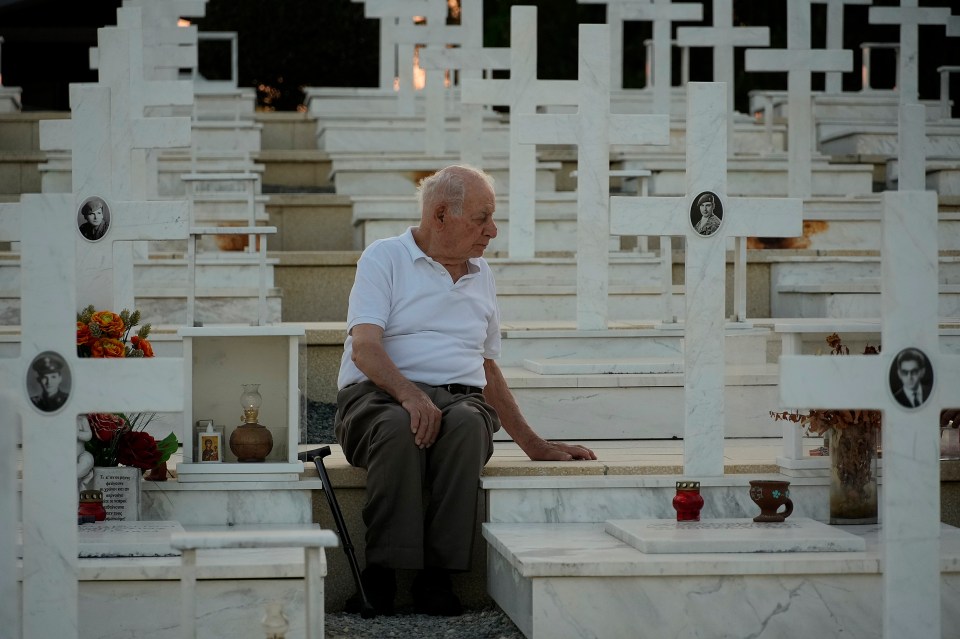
(467, 61)
(615, 20)
(523, 93)
(704, 330)
(722, 37)
(9, 514)
(909, 16)
(45, 226)
(662, 13)
(833, 82)
(435, 33)
(911, 487)
(799, 60)
(593, 129)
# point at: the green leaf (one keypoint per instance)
(167, 446)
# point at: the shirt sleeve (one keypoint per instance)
(370, 296)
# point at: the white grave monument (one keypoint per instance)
(662, 13)
(49, 304)
(910, 514)
(909, 16)
(593, 129)
(522, 92)
(9, 514)
(799, 60)
(722, 37)
(706, 250)
(833, 84)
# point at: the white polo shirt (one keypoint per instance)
(435, 331)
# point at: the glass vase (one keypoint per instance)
(853, 475)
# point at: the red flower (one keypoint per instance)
(108, 347)
(138, 449)
(105, 426)
(111, 325)
(142, 344)
(83, 334)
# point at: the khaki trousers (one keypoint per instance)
(421, 504)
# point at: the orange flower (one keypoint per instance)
(141, 344)
(110, 324)
(83, 334)
(108, 347)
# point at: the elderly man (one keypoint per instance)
(421, 395)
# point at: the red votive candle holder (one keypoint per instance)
(688, 502)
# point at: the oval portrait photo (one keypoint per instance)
(911, 378)
(706, 214)
(93, 218)
(48, 382)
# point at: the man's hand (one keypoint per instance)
(543, 450)
(424, 418)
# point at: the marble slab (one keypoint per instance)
(128, 539)
(796, 534)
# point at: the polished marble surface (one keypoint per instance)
(796, 534)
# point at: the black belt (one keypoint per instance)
(461, 389)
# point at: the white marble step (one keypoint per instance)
(560, 581)
(555, 341)
(847, 299)
(630, 406)
(402, 136)
(603, 366)
(213, 306)
(398, 174)
(530, 302)
(854, 138)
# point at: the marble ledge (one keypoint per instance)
(594, 481)
(586, 550)
(243, 563)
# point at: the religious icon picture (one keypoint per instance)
(93, 219)
(911, 378)
(48, 382)
(706, 213)
(210, 448)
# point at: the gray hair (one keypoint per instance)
(449, 185)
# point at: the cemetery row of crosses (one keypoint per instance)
(668, 271)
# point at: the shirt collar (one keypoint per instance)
(416, 253)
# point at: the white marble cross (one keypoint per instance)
(523, 93)
(390, 13)
(593, 129)
(109, 138)
(468, 61)
(833, 82)
(395, 15)
(706, 250)
(9, 514)
(909, 16)
(911, 470)
(912, 148)
(722, 37)
(662, 13)
(799, 60)
(615, 20)
(435, 33)
(45, 226)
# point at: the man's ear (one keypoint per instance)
(440, 212)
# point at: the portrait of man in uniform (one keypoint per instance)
(706, 214)
(50, 380)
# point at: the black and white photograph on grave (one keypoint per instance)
(93, 218)
(48, 382)
(911, 378)
(706, 214)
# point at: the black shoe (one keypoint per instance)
(380, 586)
(433, 594)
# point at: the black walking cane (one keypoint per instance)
(367, 610)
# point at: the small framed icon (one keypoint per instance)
(211, 449)
(911, 378)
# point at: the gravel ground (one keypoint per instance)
(488, 623)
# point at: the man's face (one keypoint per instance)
(50, 383)
(910, 373)
(468, 234)
(95, 217)
(706, 209)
